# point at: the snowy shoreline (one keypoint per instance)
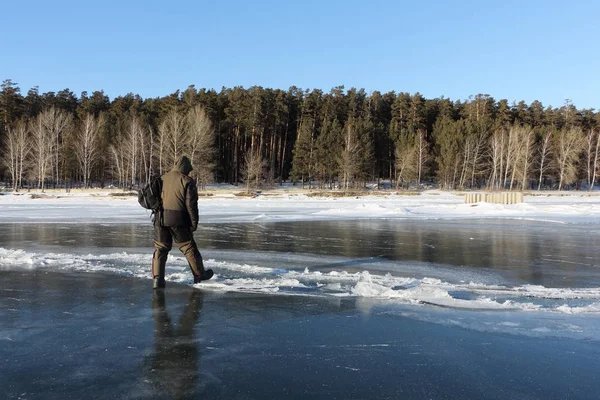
(289, 205)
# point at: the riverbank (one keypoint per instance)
(224, 207)
(291, 189)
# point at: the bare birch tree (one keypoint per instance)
(132, 150)
(44, 142)
(422, 154)
(497, 154)
(200, 139)
(146, 154)
(118, 157)
(567, 144)
(512, 156)
(473, 155)
(86, 145)
(592, 155)
(57, 124)
(174, 136)
(41, 149)
(527, 139)
(465, 154)
(479, 145)
(544, 154)
(252, 169)
(406, 159)
(163, 132)
(348, 160)
(16, 150)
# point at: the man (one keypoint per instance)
(176, 223)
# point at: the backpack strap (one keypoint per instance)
(158, 196)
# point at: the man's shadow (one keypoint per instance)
(175, 361)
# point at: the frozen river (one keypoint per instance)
(525, 268)
(367, 307)
(515, 252)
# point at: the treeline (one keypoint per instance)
(258, 136)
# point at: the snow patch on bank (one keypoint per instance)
(100, 207)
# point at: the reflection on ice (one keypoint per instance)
(172, 368)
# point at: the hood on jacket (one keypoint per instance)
(183, 165)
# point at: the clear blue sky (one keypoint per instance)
(518, 50)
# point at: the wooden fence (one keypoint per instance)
(495, 197)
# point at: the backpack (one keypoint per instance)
(149, 196)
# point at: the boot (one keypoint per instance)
(159, 261)
(159, 283)
(206, 275)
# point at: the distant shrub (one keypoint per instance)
(123, 194)
(337, 194)
(355, 193)
(247, 194)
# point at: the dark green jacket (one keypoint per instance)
(180, 196)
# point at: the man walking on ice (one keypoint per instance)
(176, 222)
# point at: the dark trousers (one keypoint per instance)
(164, 236)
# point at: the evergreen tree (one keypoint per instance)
(449, 140)
(326, 156)
(11, 103)
(348, 136)
(303, 164)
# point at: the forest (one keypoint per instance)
(259, 137)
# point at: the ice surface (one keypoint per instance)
(451, 301)
(237, 277)
(90, 335)
(264, 267)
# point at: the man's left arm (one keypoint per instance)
(191, 201)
